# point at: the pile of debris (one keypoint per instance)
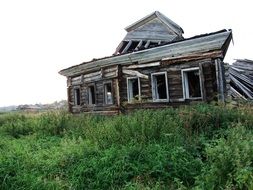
(241, 79)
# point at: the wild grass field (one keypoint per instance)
(195, 147)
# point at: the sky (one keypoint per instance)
(38, 38)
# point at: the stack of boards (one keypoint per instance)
(241, 79)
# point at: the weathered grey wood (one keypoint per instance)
(119, 47)
(157, 16)
(147, 44)
(153, 64)
(139, 45)
(200, 44)
(219, 80)
(150, 35)
(202, 81)
(134, 73)
(127, 46)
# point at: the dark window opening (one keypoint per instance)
(153, 44)
(133, 45)
(133, 89)
(108, 93)
(91, 95)
(142, 45)
(160, 88)
(192, 84)
(77, 96)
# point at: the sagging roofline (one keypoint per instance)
(215, 40)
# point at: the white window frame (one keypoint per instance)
(139, 89)
(75, 96)
(90, 96)
(185, 83)
(105, 94)
(154, 87)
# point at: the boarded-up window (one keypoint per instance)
(77, 96)
(191, 83)
(133, 89)
(108, 98)
(160, 86)
(91, 95)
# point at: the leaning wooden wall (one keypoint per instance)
(97, 79)
(174, 81)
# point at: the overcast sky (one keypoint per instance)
(40, 37)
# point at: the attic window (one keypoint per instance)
(91, 95)
(108, 98)
(77, 96)
(153, 44)
(191, 83)
(159, 86)
(133, 46)
(133, 89)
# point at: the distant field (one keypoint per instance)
(196, 147)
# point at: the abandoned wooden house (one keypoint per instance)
(154, 66)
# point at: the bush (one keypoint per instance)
(194, 147)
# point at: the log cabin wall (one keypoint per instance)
(175, 85)
(117, 77)
(97, 80)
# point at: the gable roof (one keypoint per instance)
(201, 44)
(165, 20)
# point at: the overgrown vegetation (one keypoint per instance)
(197, 147)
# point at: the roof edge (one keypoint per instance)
(64, 71)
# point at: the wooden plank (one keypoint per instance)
(220, 80)
(139, 45)
(192, 56)
(202, 81)
(134, 73)
(127, 46)
(154, 64)
(147, 44)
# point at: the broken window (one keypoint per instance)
(77, 96)
(160, 86)
(108, 98)
(91, 95)
(191, 83)
(132, 46)
(133, 89)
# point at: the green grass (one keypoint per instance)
(195, 147)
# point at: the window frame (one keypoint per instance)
(88, 95)
(153, 86)
(75, 95)
(139, 88)
(105, 95)
(185, 83)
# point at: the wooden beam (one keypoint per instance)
(154, 64)
(147, 44)
(192, 56)
(118, 48)
(134, 73)
(139, 45)
(127, 46)
(220, 80)
(202, 81)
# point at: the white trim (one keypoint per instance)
(105, 94)
(185, 84)
(154, 87)
(75, 96)
(139, 88)
(90, 96)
